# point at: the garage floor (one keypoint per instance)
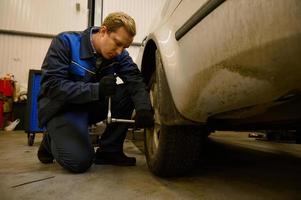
(232, 167)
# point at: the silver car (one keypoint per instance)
(219, 65)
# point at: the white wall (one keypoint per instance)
(143, 11)
(18, 54)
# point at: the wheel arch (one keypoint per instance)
(148, 64)
(169, 113)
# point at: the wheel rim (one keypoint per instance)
(153, 134)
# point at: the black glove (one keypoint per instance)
(107, 86)
(144, 119)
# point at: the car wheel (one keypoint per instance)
(170, 150)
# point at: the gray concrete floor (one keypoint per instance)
(232, 166)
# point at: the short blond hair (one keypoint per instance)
(116, 20)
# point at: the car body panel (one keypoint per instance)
(243, 54)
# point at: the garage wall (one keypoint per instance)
(20, 53)
(143, 11)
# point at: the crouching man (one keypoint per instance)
(77, 77)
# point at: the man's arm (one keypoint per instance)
(132, 77)
(56, 83)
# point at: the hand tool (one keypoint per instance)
(109, 119)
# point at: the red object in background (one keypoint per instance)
(6, 87)
(1, 115)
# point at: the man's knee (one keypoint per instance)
(77, 164)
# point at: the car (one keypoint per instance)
(219, 65)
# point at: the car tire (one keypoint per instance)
(171, 150)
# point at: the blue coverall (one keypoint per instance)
(69, 99)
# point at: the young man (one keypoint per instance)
(77, 78)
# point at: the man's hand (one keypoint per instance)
(107, 86)
(144, 119)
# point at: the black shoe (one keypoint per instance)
(44, 154)
(113, 158)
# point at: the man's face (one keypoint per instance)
(111, 44)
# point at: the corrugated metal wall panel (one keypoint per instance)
(20, 53)
(143, 11)
(47, 16)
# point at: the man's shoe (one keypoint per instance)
(44, 154)
(113, 158)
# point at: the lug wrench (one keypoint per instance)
(110, 120)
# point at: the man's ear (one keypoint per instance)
(103, 30)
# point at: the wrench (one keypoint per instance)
(109, 119)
